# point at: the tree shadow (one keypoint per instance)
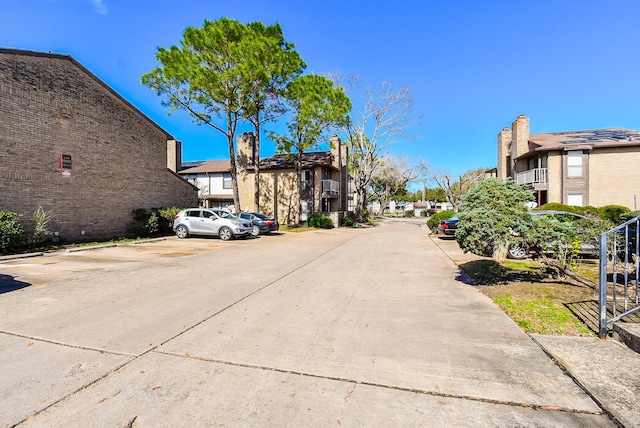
(490, 272)
(9, 283)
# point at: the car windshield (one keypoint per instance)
(260, 216)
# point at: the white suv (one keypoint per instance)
(206, 221)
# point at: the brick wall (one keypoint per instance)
(613, 177)
(119, 157)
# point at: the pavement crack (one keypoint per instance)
(355, 382)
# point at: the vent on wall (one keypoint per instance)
(65, 114)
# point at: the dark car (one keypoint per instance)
(449, 226)
(261, 224)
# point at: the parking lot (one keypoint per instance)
(344, 327)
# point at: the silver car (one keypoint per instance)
(208, 221)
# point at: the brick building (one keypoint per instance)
(71, 144)
(592, 167)
(324, 181)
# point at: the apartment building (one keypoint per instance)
(72, 145)
(322, 188)
(590, 167)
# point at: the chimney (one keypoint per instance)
(174, 155)
(520, 136)
(245, 150)
(504, 153)
(338, 157)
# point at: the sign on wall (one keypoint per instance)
(65, 161)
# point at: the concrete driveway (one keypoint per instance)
(345, 327)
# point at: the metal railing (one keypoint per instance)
(330, 187)
(619, 263)
(532, 176)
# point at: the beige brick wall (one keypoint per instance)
(119, 158)
(554, 171)
(613, 176)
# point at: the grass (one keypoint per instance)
(535, 300)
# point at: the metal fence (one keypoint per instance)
(619, 263)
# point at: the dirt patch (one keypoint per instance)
(536, 300)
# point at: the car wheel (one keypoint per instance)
(225, 234)
(516, 252)
(255, 231)
(182, 232)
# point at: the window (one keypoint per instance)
(226, 180)
(574, 163)
(574, 199)
(305, 180)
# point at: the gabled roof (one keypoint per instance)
(9, 51)
(208, 166)
(281, 161)
(588, 139)
(287, 161)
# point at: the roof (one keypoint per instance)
(588, 139)
(9, 51)
(281, 161)
(286, 161)
(208, 166)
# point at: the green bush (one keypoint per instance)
(613, 213)
(321, 221)
(433, 221)
(628, 216)
(410, 213)
(153, 222)
(365, 216)
(347, 221)
(11, 232)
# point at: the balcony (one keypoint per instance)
(330, 189)
(532, 176)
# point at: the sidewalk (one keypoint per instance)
(606, 369)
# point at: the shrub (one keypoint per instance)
(628, 216)
(433, 221)
(410, 213)
(347, 221)
(365, 216)
(11, 232)
(613, 213)
(153, 222)
(40, 219)
(321, 221)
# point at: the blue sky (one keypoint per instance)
(472, 66)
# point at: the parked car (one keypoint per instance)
(449, 226)
(261, 224)
(213, 222)
(518, 252)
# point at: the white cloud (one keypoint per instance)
(100, 6)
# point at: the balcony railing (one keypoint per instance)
(532, 176)
(330, 188)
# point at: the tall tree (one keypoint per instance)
(273, 65)
(316, 107)
(224, 71)
(384, 118)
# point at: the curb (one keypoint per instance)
(77, 249)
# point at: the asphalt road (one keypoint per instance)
(368, 327)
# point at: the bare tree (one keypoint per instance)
(384, 115)
(390, 179)
(456, 187)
